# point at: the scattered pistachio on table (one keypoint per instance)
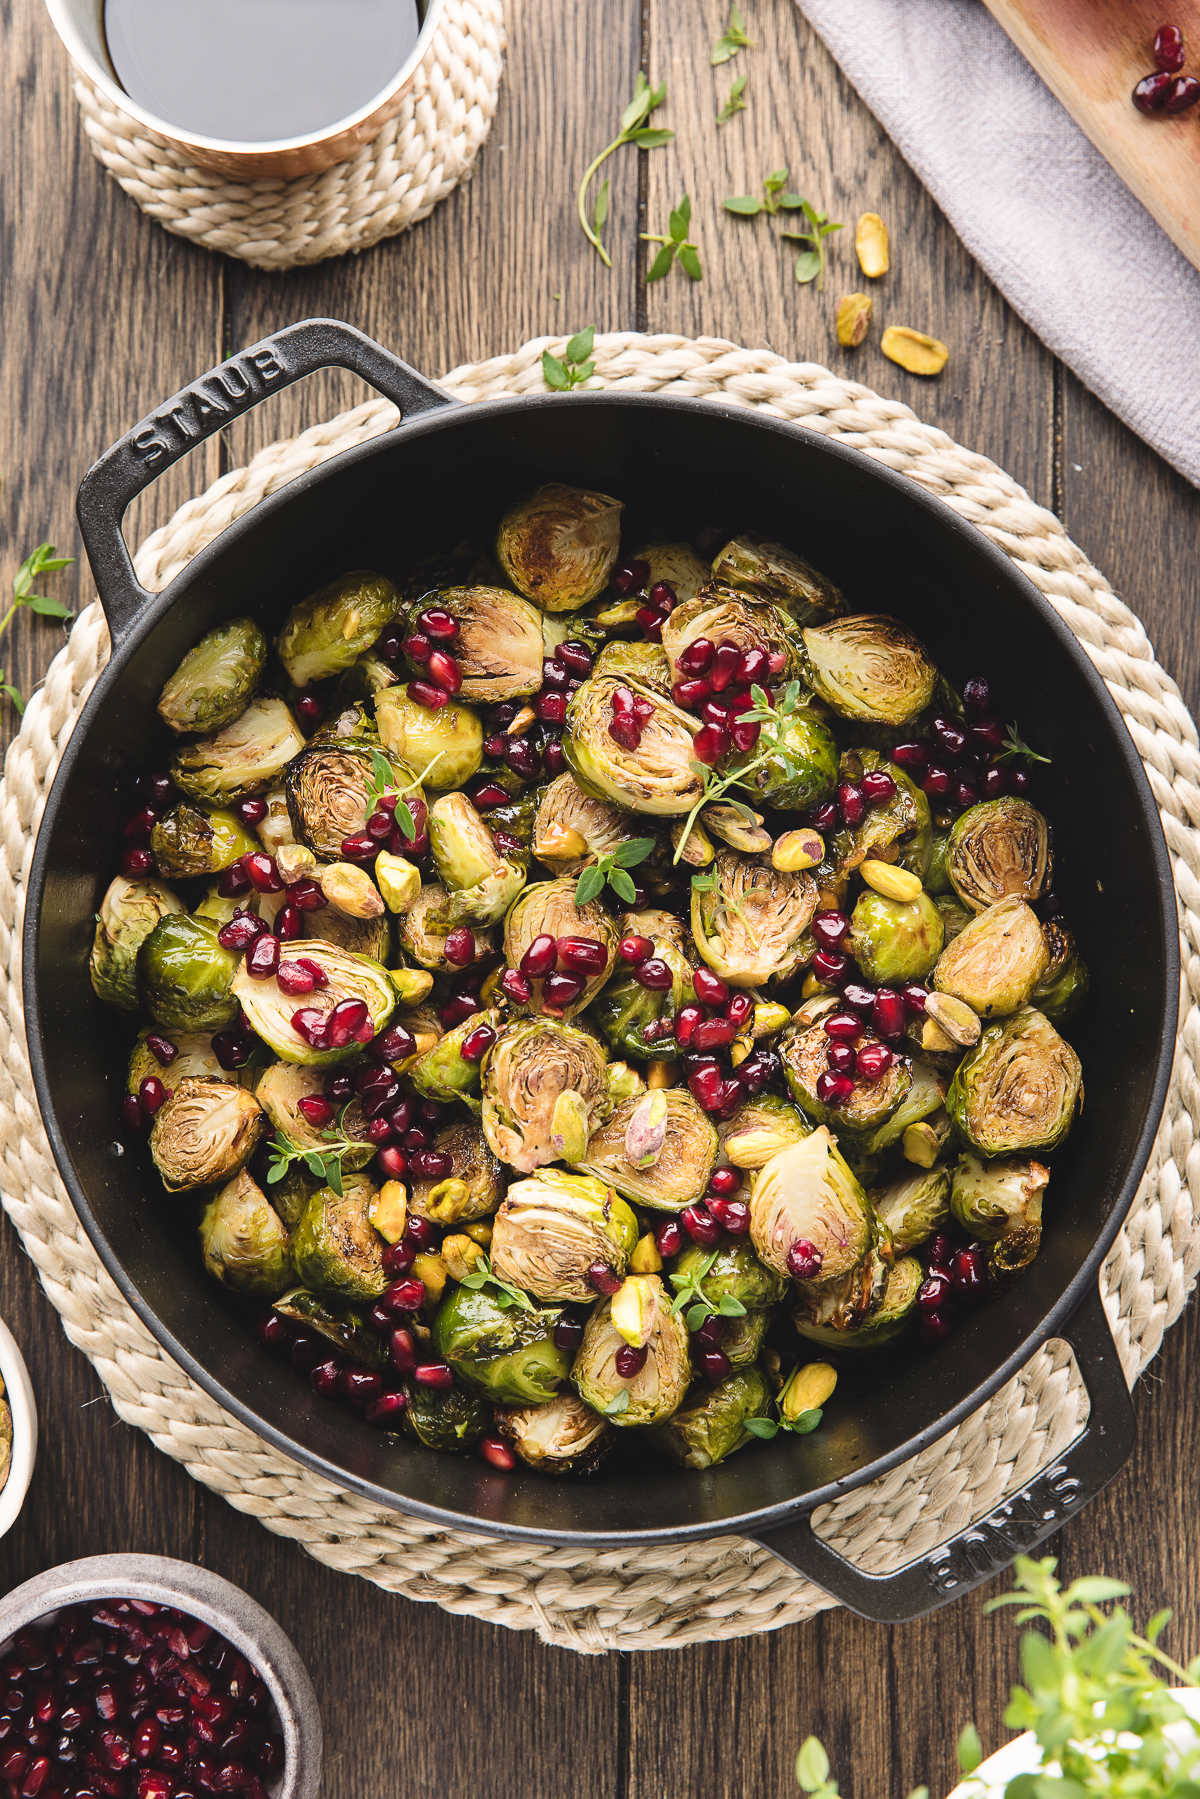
(914, 350)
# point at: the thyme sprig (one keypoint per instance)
(731, 40)
(735, 100)
(1016, 749)
(776, 197)
(45, 560)
(689, 1293)
(506, 1295)
(810, 263)
(773, 746)
(574, 366)
(382, 782)
(610, 870)
(675, 246)
(766, 1428)
(634, 130)
(326, 1164)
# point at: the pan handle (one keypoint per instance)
(1015, 1528)
(208, 405)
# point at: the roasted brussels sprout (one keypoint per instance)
(651, 1395)
(725, 614)
(558, 547)
(759, 1129)
(1064, 983)
(451, 1420)
(884, 1324)
(347, 1330)
(473, 1188)
(424, 925)
(676, 563)
(335, 1247)
(128, 913)
(561, 1436)
(914, 1207)
(332, 628)
(320, 1037)
(806, 1194)
(548, 909)
(712, 1424)
(742, 1338)
(280, 1088)
(899, 831)
(331, 790)
(773, 570)
(571, 827)
(1018, 1090)
(499, 644)
(731, 1271)
(869, 667)
(639, 1021)
(553, 1227)
(802, 771)
(997, 848)
(363, 680)
(681, 1145)
(895, 940)
(750, 921)
(197, 840)
(203, 1133)
(243, 1240)
(184, 975)
(1001, 1204)
(508, 1351)
(361, 936)
(194, 1057)
(545, 1089)
(216, 679)
(242, 758)
(637, 661)
(996, 961)
(480, 883)
(443, 1072)
(803, 1050)
(924, 1097)
(445, 743)
(955, 916)
(658, 775)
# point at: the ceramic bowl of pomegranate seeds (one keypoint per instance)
(139, 1677)
(602, 981)
(18, 1430)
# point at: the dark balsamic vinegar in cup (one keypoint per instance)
(252, 71)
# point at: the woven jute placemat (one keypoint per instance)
(420, 155)
(645, 1597)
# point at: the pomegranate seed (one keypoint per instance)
(381, 1410)
(714, 1364)
(715, 712)
(933, 1292)
(841, 1058)
(568, 1333)
(986, 737)
(696, 657)
(654, 974)
(977, 696)
(493, 746)
(910, 755)
(834, 1089)
(426, 693)
(824, 816)
(156, 788)
(965, 794)
(152, 1785)
(316, 1110)
(287, 924)
(949, 736)
(456, 1010)
(261, 872)
(137, 862)
(710, 989)
(522, 758)
(744, 734)
(515, 986)
(938, 1251)
(152, 1095)
(1168, 48)
(878, 787)
(936, 781)
(132, 1116)
(1151, 92)
(309, 1024)
(629, 1361)
(1018, 780)
(252, 812)
(968, 1273)
(1182, 94)
(561, 990)
(262, 958)
(733, 1215)
(435, 621)
(753, 665)
(378, 1131)
(724, 1181)
(705, 1083)
(460, 947)
(393, 1163)
(551, 707)
(650, 621)
(417, 647)
(804, 1260)
(243, 929)
(395, 1044)
(710, 744)
(830, 929)
(635, 949)
(887, 1013)
(843, 1027)
(347, 1019)
(993, 782)
(324, 1377)
(138, 827)
(161, 1048)
(933, 1327)
(914, 997)
(434, 1374)
(700, 1225)
(603, 1278)
(294, 978)
(726, 658)
(691, 692)
(669, 1237)
(829, 967)
(851, 803)
(306, 896)
(444, 670)
(625, 731)
(740, 1010)
(630, 576)
(309, 710)
(708, 1333)
(586, 955)
(398, 1257)
(713, 1033)
(476, 1043)
(874, 1060)
(686, 1020)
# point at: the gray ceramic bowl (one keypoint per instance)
(215, 1601)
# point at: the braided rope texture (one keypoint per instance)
(647, 1597)
(420, 155)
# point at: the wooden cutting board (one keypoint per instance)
(1091, 53)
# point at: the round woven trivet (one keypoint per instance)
(420, 155)
(642, 1598)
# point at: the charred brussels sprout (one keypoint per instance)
(914, 1207)
(996, 961)
(657, 775)
(506, 1351)
(639, 1021)
(997, 848)
(572, 827)
(270, 1012)
(1064, 983)
(216, 679)
(803, 1050)
(128, 913)
(650, 1396)
(279, 1090)
(895, 940)
(1018, 1090)
(473, 1188)
(331, 790)
(760, 1129)
(666, 1163)
(561, 1436)
(444, 742)
(194, 1057)
(204, 1133)
(1001, 1204)
(558, 547)
(777, 572)
(443, 1072)
(480, 883)
(869, 667)
(335, 1247)
(806, 1194)
(332, 628)
(712, 1424)
(803, 771)
(452, 1421)
(730, 1272)
(897, 1303)
(553, 1227)
(345, 1328)
(499, 644)
(241, 759)
(750, 921)
(724, 614)
(676, 563)
(194, 840)
(545, 1089)
(243, 1240)
(547, 908)
(184, 976)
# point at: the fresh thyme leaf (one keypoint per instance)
(553, 373)
(809, 265)
(1016, 749)
(574, 366)
(589, 885)
(45, 560)
(507, 1296)
(600, 214)
(675, 243)
(732, 39)
(633, 851)
(633, 130)
(662, 263)
(735, 100)
(777, 197)
(14, 694)
(324, 1164)
(745, 205)
(765, 1428)
(610, 870)
(618, 1403)
(623, 886)
(689, 262)
(579, 347)
(652, 137)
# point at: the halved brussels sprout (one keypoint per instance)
(335, 1247)
(659, 776)
(184, 975)
(742, 1338)
(869, 667)
(561, 1436)
(203, 1132)
(194, 1057)
(499, 644)
(128, 913)
(676, 563)
(761, 1128)
(194, 840)
(925, 1097)
(331, 791)
(636, 661)
(280, 1088)
(804, 1051)
(844, 1305)
(914, 1207)
(480, 883)
(639, 1021)
(772, 569)
(545, 1089)
(443, 1072)
(270, 1011)
(291, 1194)
(444, 742)
(884, 1324)
(725, 614)
(507, 1351)
(731, 1271)
(450, 1420)
(242, 758)
(996, 961)
(1018, 1090)
(547, 908)
(1064, 983)
(997, 848)
(243, 1240)
(680, 1169)
(473, 1188)
(331, 629)
(424, 926)
(216, 679)
(658, 1389)
(750, 921)
(809, 773)
(361, 936)
(553, 1227)
(1001, 1204)
(712, 1424)
(571, 827)
(807, 1194)
(895, 940)
(899, 831)
(558, 546)
(346, 1329)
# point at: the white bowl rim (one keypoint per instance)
(62, 17)
(23, 1407)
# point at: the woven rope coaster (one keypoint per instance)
(419, 156)
(646, 1597)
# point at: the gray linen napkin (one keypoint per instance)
(1058, 232)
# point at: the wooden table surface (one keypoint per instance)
(104, 315)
